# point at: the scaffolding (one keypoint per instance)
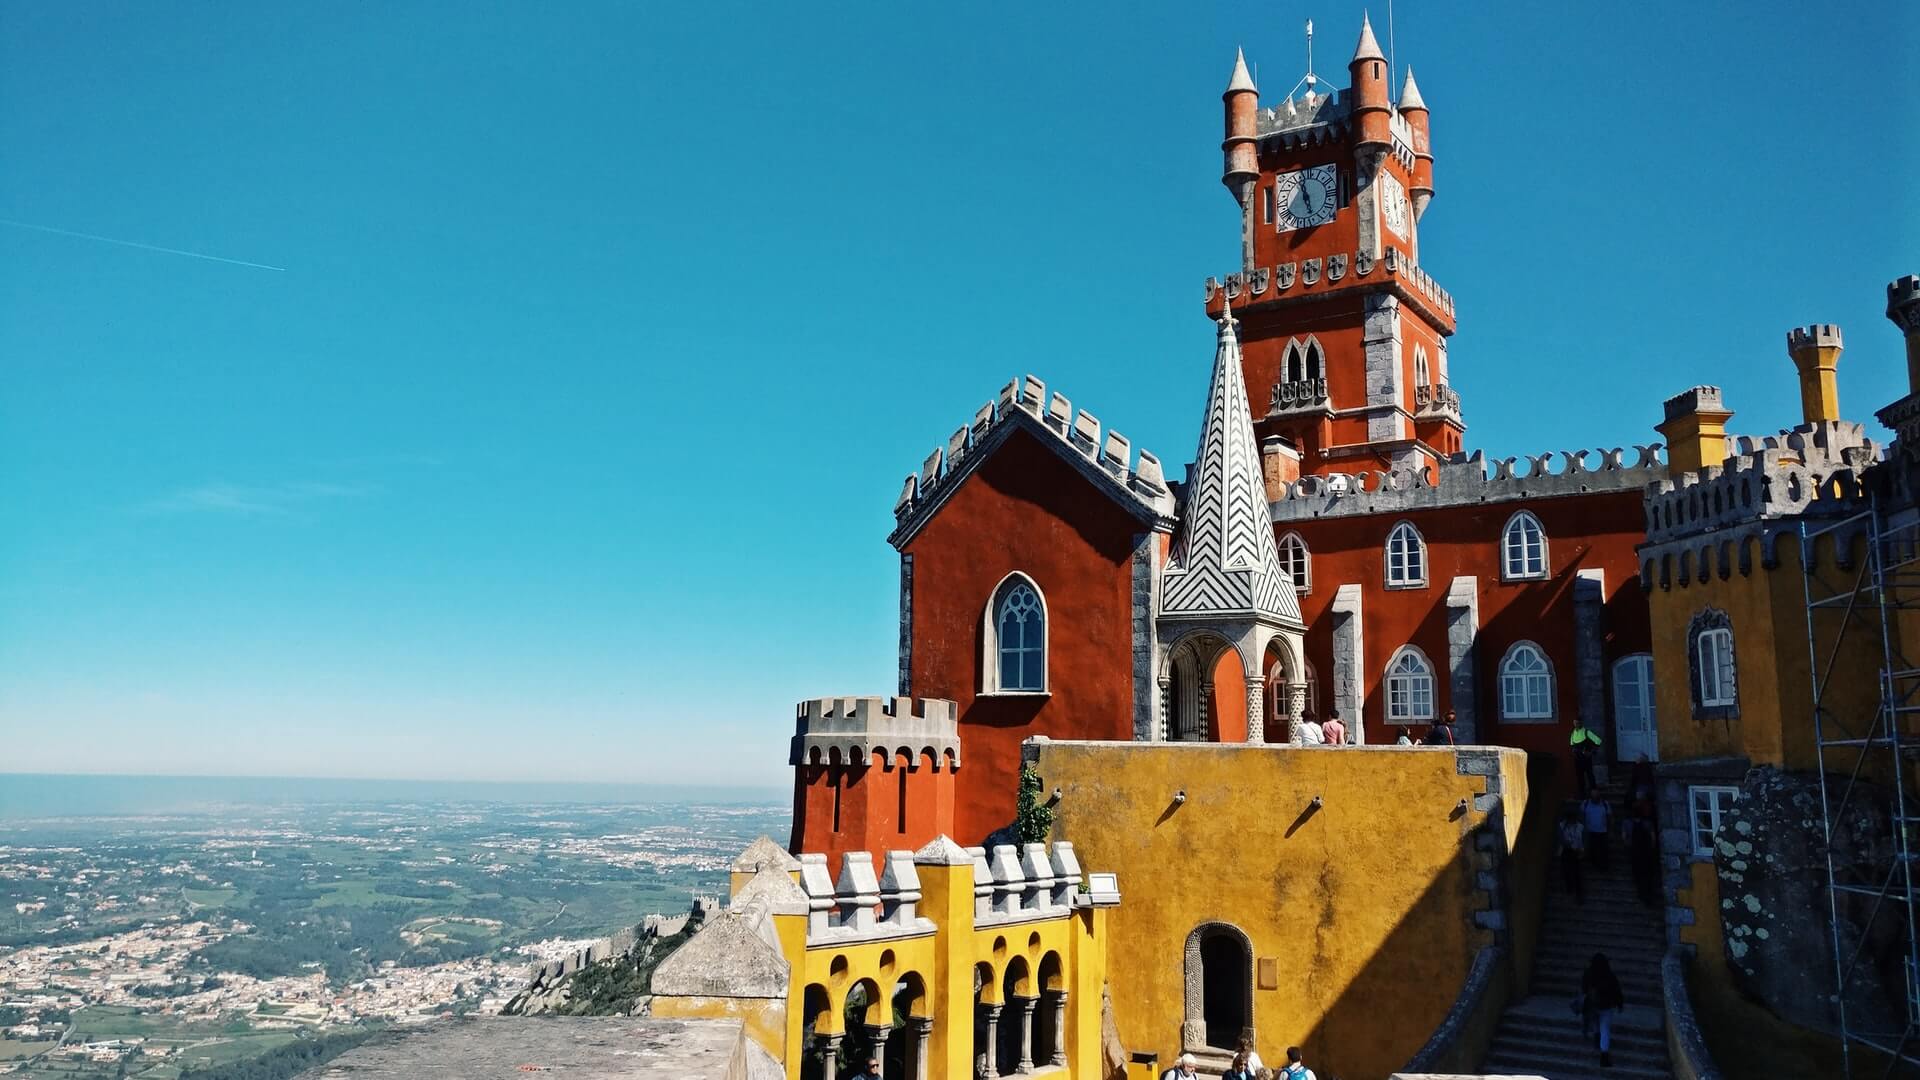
(1853, 609)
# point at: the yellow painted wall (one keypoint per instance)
(765, 1019)
(1768, 612)
(1367, 904)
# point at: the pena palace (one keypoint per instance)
(1334, 548)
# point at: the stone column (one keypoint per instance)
(1166, 707)
(828, 1046)
(986, 1056)
(877, 1039)
(1349, 660)
(1463, 630)
(920, 1032)
(1256, 710)
(1059, 1027)
(1026, 1005)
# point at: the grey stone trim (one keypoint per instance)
(1710, 618)
(1813, 469)
(1589, 644)
(1685, 1044)
(850, 730)
(1146, 647)
(1462, 480)
(1463, 631)
(1382, 345)
(1349, 657)
(1139, 486)
(906, 624)
(1193, 1030)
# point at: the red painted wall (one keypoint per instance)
(884, 805)
(1583, 532)
(1025, 509)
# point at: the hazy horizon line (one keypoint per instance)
(767, 788)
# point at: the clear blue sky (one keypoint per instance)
(566, 443)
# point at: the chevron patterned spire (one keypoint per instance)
(1224, 561)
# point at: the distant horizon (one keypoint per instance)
(42, 795)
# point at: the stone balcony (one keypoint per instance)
(1436, 399)
(1301, 395)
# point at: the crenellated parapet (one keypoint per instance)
(1307, 276)
(1108, 458)
(847, 730)
(1023, 883)
(1464, 479)
(1811, 469)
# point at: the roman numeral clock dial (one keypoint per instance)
(1306, 197)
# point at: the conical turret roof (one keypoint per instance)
(1369, 48)
(1241, 79)
(1410, 99)
(1224, 562)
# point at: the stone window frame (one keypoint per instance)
(1193, 1028)
(990, 676)
(1514, 651)
(1413, 652)
(1303, 581)
(1414, 546)
(1422, 368)
(1710, 625)
(1715, 810)
(1518, 523)
(1302, 359)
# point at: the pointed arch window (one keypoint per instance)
(1303, 360)
(1314, 364)
(1526, 684)
(1409, 687)
(1297, 561)
(1523, 548)
(1406, 558)
(1016, 639)
(1422, 373)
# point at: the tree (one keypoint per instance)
(1033, 823)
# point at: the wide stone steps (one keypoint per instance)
(1540, 1035)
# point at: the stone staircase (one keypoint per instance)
(1540, 1035)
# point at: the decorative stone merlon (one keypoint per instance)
(1027, 883)
(1009, 883)
(1463, 480)
(1694, 400)
(1066, 874)
(942, 851)
(1037, 866)
(1025, 403)
(899, 889)
(851, 730)
(761, 854)
(846, 910)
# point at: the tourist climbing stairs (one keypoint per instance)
(1540, 1035)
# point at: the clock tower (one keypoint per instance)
(1344, 334)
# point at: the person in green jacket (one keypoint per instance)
(1586, 743)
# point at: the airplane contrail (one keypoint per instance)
(142, 247)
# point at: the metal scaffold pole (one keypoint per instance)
(1856, 755)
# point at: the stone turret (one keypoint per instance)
(872, 773)
(1371, 115)
(1816, 353)
(1903, 307)
(1241, 169)
(1414, 109)
(1695, 430)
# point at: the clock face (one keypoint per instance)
(1393, 204)
(1306, 197)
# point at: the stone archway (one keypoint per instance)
(1192, 701)
(1219, 987)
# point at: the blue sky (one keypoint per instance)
(566, 442)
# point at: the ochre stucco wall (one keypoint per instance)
(1366, 905)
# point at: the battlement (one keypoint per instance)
(1462, 480)
(1815, 336)
(1300, 278)
(1812, 469)
(1317, 119)
(1693, 400)
(1024, 402)
(1903, 303)
(850, 730)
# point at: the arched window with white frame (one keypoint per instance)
(1406, 557)
(1297, 561)
(1295, 364)
(1421, 374)
(1409, 687)
(1526, 684)
(1715, 656)
(1523, 548)
(1016, 638)
(1315, 358)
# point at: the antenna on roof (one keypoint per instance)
(1310, 80)
(1392, 93)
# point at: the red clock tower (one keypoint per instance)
(1344, 335)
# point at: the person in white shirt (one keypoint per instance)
(1311, 733)
(1182, 1069)
(1296, 1069)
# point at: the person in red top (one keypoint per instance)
(1335, 731)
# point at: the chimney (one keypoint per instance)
(1903, 307)
(1816, 352)
(1279, 466)
(1695, 430)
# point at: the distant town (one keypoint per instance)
(178, 945)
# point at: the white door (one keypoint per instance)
(1633, 722)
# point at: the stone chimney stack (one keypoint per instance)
(1279, 466)
(1816, 352)
(1903, 307)
(1695, 430)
